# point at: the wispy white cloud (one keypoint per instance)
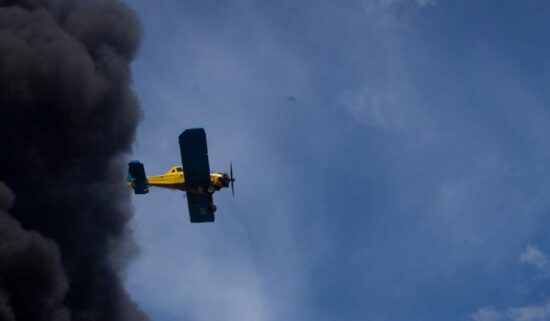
(538, 260)
(487, 314)
(531, 313)
(380, 110)
(424, 3)
(535, 258)
(539, 312)
(383, 4)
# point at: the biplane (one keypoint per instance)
(193, 176)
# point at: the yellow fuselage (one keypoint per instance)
(175, 179)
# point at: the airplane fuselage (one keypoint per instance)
(175, 179)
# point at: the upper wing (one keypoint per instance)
(194, 157)
(200, 207)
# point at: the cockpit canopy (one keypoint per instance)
(175, 169)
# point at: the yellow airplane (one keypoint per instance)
(175, 179)
(193, 177)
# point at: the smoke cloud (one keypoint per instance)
(67, 119)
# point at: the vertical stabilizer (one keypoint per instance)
(137, 178)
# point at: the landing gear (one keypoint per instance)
(212, 208)
(210, 189)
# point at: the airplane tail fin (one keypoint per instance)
(136, 177)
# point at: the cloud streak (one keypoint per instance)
(540, 312)
(535, 258)
(538, 260)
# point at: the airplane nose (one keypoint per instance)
(226, 180)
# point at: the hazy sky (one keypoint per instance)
(392, 160)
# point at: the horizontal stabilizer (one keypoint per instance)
(137, 178)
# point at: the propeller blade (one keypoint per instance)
(232, 179)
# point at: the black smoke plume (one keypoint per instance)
(67, 118)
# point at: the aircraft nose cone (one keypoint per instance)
(226, 180)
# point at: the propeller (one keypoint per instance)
(231, 179)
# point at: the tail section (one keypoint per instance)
(136, 177)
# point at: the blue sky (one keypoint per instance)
(392, 160)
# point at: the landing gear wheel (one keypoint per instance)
(212, 208)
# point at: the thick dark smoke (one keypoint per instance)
(67, 118)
